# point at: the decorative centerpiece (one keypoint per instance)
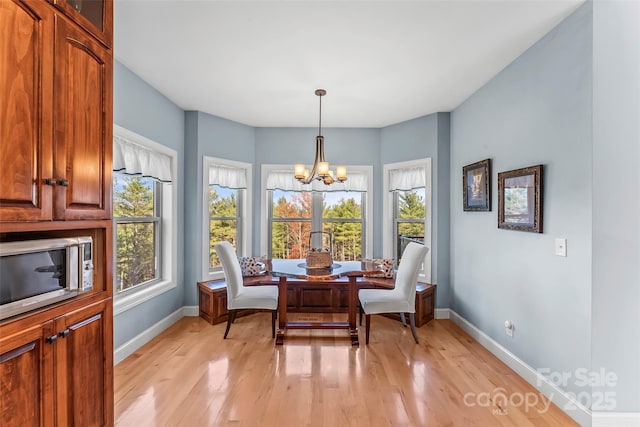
(319, 257)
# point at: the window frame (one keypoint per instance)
(317, 217)
(156, 220)
(388, 213)
(168, 242)
(243, 210)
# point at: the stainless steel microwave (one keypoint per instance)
(37, 273)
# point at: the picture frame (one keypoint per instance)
(476, 186)
(520, 199)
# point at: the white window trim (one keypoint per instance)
(264, 213)
(247, 212)
(169, 223)
(387, 212)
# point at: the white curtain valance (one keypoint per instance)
(133, 159)
(226, 176)
(407, 179)
(284, 180)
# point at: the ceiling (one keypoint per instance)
(381, 62)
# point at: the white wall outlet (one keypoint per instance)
(561, 247)
(508, 327)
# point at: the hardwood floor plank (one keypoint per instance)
(190, 376)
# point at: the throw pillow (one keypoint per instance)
(385, 265)
(253, 266)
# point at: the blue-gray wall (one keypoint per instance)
(141, 109)
(615, 342)
(536, 111)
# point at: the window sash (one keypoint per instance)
(156, 220)
(398, 220)
(239, 226)
(157, 231)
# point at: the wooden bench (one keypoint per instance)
(212, 299)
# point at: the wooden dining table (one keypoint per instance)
(292, 273)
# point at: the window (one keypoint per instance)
(137, 212)
(227, 210)
(225, 221)
(408, 218)
(407, 210)
(145, 218)
(293, 210)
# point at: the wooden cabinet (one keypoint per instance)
(58, 371)
(26, 94)
(82, 125)
(56, 102)
(26, 377)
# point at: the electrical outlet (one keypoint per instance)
(508, 327)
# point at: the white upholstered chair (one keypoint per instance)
(240, 297)
(402, 298)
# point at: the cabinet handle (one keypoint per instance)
(64, 333)
(52, 339)
(50, 181)
(63, 182)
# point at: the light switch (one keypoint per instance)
(561, 247)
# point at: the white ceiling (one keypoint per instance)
(381, 62)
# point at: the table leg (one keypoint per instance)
(353, 302)
(282, 310)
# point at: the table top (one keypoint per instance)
(296, 268)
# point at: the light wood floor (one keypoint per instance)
(190, 376)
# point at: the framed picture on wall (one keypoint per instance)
(520, 199)
(476, 186)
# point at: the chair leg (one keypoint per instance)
(404, 321)
(368, 326)
(412, 320)
(230, 319)
(360, 307)
(274, 313)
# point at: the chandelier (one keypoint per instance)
(320, 166)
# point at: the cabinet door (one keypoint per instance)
(26, 387)
(84, 366)
(26, 83)
(82, 124)
(95, 16)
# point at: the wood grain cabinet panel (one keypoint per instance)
(82, 125)
(26, 367)
(25, 111)
(84, 366)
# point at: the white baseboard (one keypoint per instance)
(191, 311)
(442, 313)
(558, 396)
(126, 349)
(615, 419)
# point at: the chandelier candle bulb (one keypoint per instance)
(323, 169)
(300, 171)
